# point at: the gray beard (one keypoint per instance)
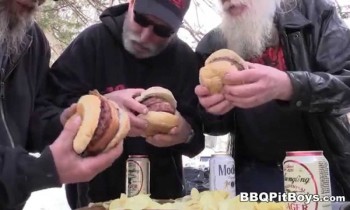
(12, 32)
(252, 33)
(128, 36)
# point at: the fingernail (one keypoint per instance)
(145, 110)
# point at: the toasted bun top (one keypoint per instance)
(226, 55)
(88, 108)
(160, 92)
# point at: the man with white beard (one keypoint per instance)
(293, 97)
(24, 61)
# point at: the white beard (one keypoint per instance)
(253, 31)
(13, 30)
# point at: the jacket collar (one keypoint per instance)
(14, 58)
(293, 19)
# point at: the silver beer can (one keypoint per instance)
(222, 173)
(307, 173)
(137, 175)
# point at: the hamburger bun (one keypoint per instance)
(216, 66)
(104, 124)
(161, 117)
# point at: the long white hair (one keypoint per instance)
(13, 27)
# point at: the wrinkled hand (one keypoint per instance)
(177, 135)
(67, 113)
(126, 99)
(215, 104)
(71, 167)
(257, 85)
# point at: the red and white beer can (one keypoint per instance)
(307, 173)
(137, 175)
(222, 173)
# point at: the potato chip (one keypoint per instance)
(138, 202)
(206, 200)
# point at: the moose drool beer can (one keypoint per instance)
(222, 173)
(137, 175)
(307, 173)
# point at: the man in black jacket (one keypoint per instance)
(24, 61)
(295, 94)
(135, 47)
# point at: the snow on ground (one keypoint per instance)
(50, 199)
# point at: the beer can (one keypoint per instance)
(222, 173)
(307, 173)
(137, 175)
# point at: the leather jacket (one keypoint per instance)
(316, 45)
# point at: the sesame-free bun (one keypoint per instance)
(159, 120)
(160, 92)
(104, 124)
(216, 66)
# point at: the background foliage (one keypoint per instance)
(62, 20)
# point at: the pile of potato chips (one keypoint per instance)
(207, 200)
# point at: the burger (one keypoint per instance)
(161, 116)
(216, 66)
(104, 124)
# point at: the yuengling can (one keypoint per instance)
(222, 173)
(307, 173)
(137, 175)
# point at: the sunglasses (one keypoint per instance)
(159, 30)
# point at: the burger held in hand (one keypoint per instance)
(216, 66)
(162, 115)
(104, 124)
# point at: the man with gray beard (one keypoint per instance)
(24, 62)
(295, 94)
(133, 48)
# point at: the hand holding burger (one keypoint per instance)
(104, 124)
(217, 65)
(165, 125)
(161, 116)
(210, 92)
(72, 167)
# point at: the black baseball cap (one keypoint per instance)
(172, 12)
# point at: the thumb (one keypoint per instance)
(103, 160)
(136, 91)
(71, 127)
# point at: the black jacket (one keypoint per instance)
(316, 45)
(21, 174)
(96, 59)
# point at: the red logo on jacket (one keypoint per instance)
(273, 57)
(178, 3)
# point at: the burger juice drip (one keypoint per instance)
(137, 175)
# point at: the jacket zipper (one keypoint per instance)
(287, 53)
(2, 98)
(3, 78)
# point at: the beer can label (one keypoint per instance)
(222, 175)
(137, 178)
(307, 177)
